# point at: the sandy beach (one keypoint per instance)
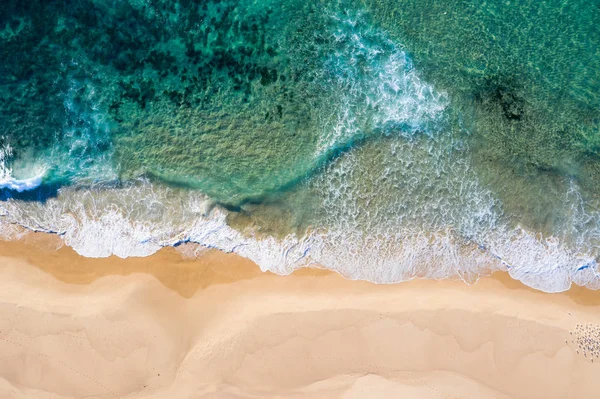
(217, 327)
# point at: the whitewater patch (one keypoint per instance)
(8, 182)
(116, 225)
(375, 86)
(552, 263)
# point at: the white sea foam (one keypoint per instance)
(543, 263)
(102, 222)
(553, 263)
(376, 87)
(21, 185)
(8, 182)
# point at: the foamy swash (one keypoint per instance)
(119, 225)
(313, 139)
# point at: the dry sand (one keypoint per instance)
(216, 327)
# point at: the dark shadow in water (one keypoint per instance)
(47, 191)
(501, 90)
(38, 194)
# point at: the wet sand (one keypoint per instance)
(217, 327)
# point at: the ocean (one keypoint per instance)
(385, 140)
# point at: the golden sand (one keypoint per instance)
(217, 327)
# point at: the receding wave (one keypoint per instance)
(140, 219)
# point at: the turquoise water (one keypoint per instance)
(383, 140)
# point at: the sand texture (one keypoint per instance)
(217, 327)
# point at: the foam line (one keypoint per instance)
(13, 184)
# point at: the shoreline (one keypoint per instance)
(47, 252)
(217, 326)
